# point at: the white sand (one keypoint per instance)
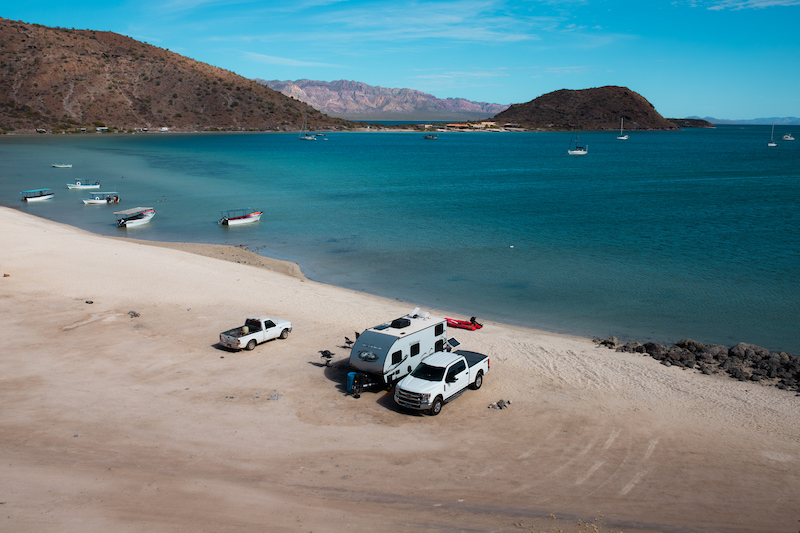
(113, 423)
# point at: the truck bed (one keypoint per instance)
(473, 358)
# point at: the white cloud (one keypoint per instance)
(284, 61)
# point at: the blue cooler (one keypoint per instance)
(351, 377)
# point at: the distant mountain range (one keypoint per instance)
(779, 121)
(354, 100)
(57, 79)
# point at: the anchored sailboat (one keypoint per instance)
(304, 135)
(621, 137)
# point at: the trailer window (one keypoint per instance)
(439, 345)
(414, 349)
(439, 329)
(397, 357)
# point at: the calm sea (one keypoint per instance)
(664, 236)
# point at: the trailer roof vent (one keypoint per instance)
(400, 323)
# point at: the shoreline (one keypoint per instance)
(114, 420)
(666, 353)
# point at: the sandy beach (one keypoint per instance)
(117, 422)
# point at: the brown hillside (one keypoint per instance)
(64, 79)
(599, 108)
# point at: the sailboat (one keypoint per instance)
(304, 135)
(579, 150)
(772, 137)
(621, 136)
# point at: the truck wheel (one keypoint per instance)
(478, 381)
(436, 408)
(250, 345)
(284, 333)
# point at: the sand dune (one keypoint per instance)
(112, 422)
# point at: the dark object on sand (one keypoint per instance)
(326, 356)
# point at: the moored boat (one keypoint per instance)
(37, 195)
(787, 137)
(134, 217)
(235, 217)
(622, 137)
(772, 142)
(471, 324)
(110, 197)
(84, 185)
(430, 136)
(62, 165)
(579, 150)
(304, 134)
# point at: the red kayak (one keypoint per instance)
(471, 325)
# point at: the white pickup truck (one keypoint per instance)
(440, 378)
(256, 329)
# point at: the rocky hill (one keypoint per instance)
(65, 79)
(599, 108)
(359, 101)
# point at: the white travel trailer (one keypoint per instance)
(384, 354)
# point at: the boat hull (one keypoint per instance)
(137, 220)
(463, 324)
(38, 198)
(57, 165)
(577, 152)
(238, 221)
(79, 185)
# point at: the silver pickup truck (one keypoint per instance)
(256, 329)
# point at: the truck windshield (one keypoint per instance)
(429, 373)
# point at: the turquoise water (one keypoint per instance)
(667, 235)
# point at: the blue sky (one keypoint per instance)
(733, 59)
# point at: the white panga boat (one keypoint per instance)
(787, 137)
(134, 217)
(622, 137)
(37, 195)
(772, 137)
(110, 197)
(84, 185)
(235, 217)
(62, 165)
(579, 150)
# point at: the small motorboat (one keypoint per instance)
(62, 165)
(109, 197)
(84, 185)
(471, 324)
(37, 195)
(787, 137)
(432, 137)
(134, 217)
(235, 217)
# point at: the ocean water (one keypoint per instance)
(664, 236)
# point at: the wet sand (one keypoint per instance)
(115, 422)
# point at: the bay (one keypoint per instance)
(664, 236)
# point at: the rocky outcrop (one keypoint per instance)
(599, 108)
(745, 362)
(691, 123)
